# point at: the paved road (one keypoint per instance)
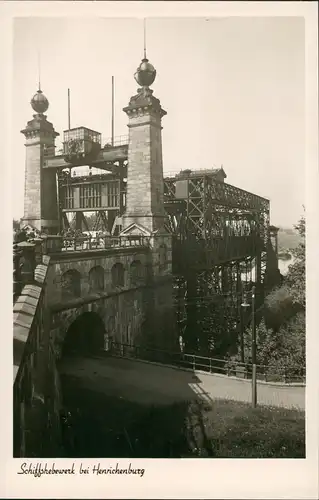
(148, 383)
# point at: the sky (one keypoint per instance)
(233, 89)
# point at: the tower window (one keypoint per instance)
(90, 196)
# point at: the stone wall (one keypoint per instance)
(139, 316)
(84, 263)
(36, 392)
(132, 313)
(123, 314)
(156, 264)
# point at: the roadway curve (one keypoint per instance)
(148, 383)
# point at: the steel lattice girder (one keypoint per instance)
(221, 217)
(212, 204)
(217, 220)
(217, 192)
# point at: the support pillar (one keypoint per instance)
(40, 194)
(145, 189)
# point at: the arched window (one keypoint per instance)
(96, 279)
(162, 257)
(117, 274)
(71, 284)
(136, 273)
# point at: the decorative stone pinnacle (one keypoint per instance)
(145, 73)
(39, 102)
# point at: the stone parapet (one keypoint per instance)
(31, 367)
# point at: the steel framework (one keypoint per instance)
(221, 239)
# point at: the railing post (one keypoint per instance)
(74, 241)
(210, 365)
(194, 362)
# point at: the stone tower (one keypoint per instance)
(144, 199)
(40, 193)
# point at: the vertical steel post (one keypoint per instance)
(112, 110)
(69, 110)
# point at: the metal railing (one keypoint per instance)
(54, 244)
(188, 173)
(120, 140)
(207, 364)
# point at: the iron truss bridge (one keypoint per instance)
(221, 236)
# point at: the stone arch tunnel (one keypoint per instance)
(85, 335)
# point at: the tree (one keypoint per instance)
(280, 336)
(286, 301)
(282, 351)
(295, 279)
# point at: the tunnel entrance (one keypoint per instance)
(85, 336)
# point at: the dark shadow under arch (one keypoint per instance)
(96, 279)
(136, 273)
(71, 284)
(85, 335)
(117, 273)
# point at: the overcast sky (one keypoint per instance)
(233, 89)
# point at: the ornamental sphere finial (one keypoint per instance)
(39, 102)
(145, 73)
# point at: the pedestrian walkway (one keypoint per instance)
(149, 383)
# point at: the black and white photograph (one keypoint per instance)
(159, 238)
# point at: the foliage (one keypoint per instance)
(229, 429)
(91, 220)
(72, 233)
(282, 351)
(280, 335)
(296, 279)
(280, 307)
(286, 301)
